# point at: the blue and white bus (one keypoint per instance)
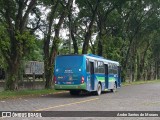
(87, 72)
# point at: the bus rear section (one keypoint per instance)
(68, 73)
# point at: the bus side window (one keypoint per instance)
(116, 70)
(87, 65)
(101, 67)
(110, 68)
(96, 67)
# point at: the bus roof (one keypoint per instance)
(93, 57)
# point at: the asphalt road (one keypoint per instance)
(144, 97)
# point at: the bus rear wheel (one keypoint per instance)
(74, 92)
(99, 89)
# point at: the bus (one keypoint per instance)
(86, 72)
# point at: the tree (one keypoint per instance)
(51, 52)
(15, 39)
(87, 37)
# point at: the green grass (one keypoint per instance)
(140, 82)
(25, 93)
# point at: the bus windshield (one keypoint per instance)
(69, 61)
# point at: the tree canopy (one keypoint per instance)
(127, 31)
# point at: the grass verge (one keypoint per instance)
(140, 82)
(25, 93)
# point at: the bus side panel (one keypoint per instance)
(90, 76)
(84, 72)
(112, 80)
(96, 81)
(87, 76)
(100, 78)
(89, 87)
(119, 77)
(90, 83)
(97, 78)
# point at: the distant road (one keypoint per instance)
(144, 97)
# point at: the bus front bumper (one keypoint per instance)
(70, 87)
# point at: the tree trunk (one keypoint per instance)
(49, 62)
(100, 46)
(12, 77)
(51, 54)
(72, 31)
(89, 31)
(75, 46)
(48, 75)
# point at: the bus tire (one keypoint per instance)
(74, 92)
(114, 88)
(99, 89)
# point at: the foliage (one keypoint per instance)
(123, 30)
(36, 52)
(16, 40)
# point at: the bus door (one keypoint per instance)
(119, 76)
(106, 75)
(92, 74)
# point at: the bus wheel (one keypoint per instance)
(114, 88)
(99, 89)
(73, 92)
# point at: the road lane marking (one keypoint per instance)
(60, 92)
(74, 103)
(43, 95)
(152, 103)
